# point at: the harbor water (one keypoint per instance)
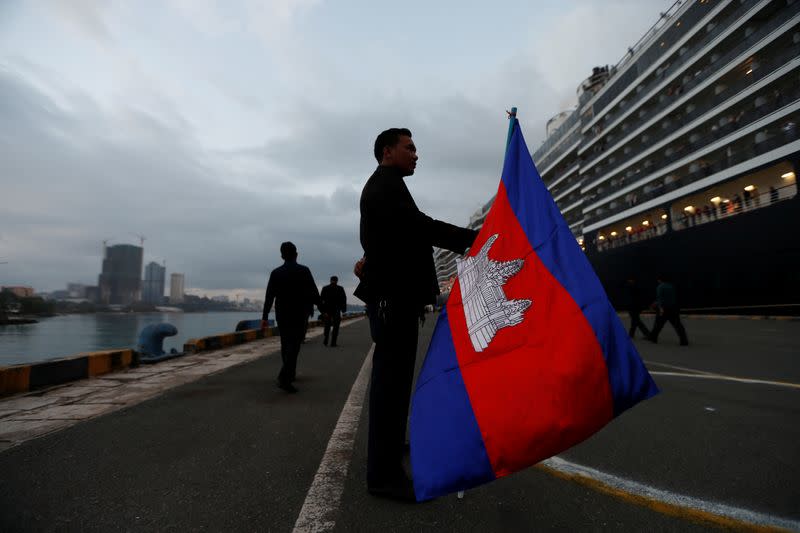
(66, 335)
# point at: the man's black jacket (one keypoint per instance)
(291, 286)
(397, 239)
(334, 300)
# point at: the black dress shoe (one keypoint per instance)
(401, 489)
(288, 387)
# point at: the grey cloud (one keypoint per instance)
(67, 187)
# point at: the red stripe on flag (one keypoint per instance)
(540, 386)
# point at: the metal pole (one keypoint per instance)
(512, 118)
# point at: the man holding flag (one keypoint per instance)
(397, 280)
(528, 357)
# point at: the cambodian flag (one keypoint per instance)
(528, 358)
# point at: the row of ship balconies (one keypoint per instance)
(695, 61)
(704, 80)
(720, 37)
(709, 148)
(621, 81)
(758, 90)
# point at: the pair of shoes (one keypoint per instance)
(401, 489)
(685, 343)
(288, 387)
(325, 342)
(333, 345)
(652, 339)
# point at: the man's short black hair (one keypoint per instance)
(288, 250)
(389, 137)
(334, 278)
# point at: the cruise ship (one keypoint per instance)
(681, 160)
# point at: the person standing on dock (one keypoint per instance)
(397, 280)
(334, 303)
(293, 290)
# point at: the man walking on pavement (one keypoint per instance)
(333, 304)
(666, 305)
(397, 280)
(291, 286)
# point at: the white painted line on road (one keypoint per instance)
(729, 378)
(668, 502)
(674, 367)
(323, 498)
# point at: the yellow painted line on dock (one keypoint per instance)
(666, 502)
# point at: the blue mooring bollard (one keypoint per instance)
(151, 343)
(244, 325)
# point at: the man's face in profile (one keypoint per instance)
(403, 155)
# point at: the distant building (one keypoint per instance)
(121, 280)
(223, 298)
(18, 291)
(176, 282)
(93, 293)
(76, 290)
(153, 285)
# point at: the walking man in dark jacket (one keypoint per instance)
(291, 286)
(398, 279)
(667, 311)
(334, 303)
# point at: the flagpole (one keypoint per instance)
(512, 116)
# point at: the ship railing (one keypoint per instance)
(741, 204)
(699, 75)
(787, 92)
(702, 215)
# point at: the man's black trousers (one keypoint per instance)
(671, 315)
(332, 322)
(292, 333)
(636, 322)
(394, 331)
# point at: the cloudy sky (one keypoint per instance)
(218, 129)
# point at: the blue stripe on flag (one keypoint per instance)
(447, 450)
(553, 242)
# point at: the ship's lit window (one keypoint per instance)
(664, 217)
(678, 24)
(749, 70)
(628, 228)
(602, 237)
(716, 200)
(613, 233)
(689, 209)
(749, 188)
(788, 175)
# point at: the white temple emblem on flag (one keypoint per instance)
(485, 305)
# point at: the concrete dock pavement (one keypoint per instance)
(231, 452)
